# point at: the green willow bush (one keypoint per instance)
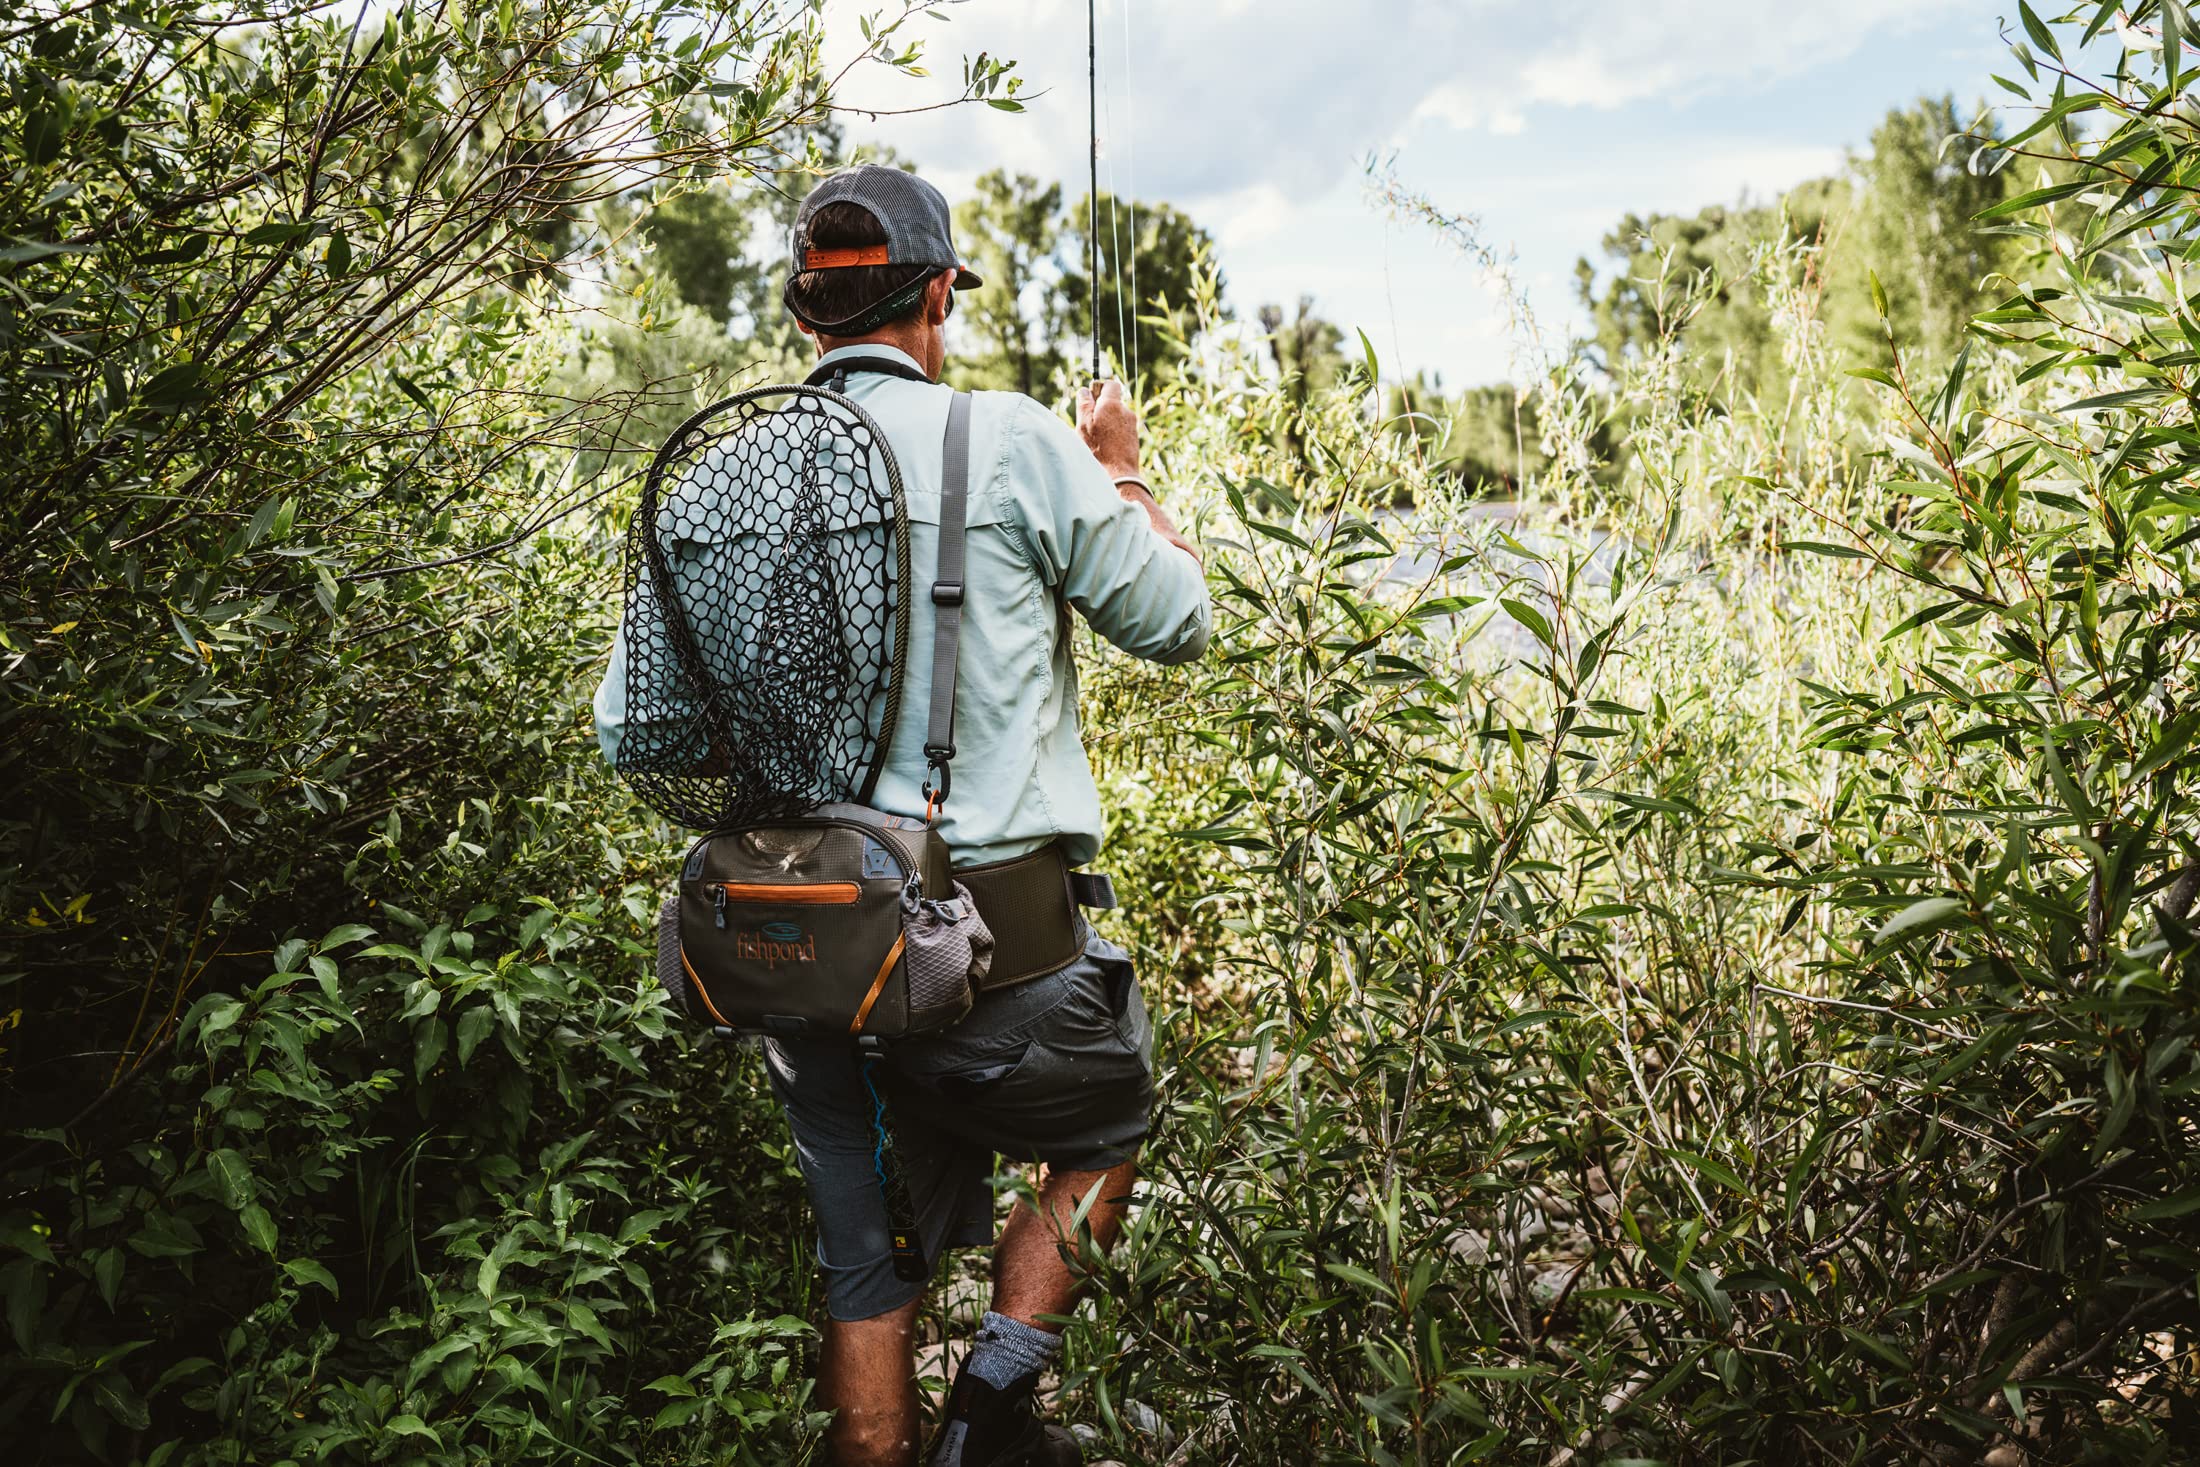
(1746, 1011)
(342, 1122)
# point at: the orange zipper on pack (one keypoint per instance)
(806, 894)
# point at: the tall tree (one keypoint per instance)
(1308, 353)
(1904, 212)
(1489, 436)
(700, 240)
(1151, 258)
(1690, 274)
(1916, 229)
(1009, 230)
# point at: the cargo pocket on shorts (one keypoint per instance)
(974, 1082)
(1103, 993)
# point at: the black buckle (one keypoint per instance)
(947, 593)
(939, 777)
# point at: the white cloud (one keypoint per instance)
(1613, 52)
(1248, 216)
(1254, 115)
(1294, 92)
(1450, 103)
(1456, 106)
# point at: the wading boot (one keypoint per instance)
(994, 1426)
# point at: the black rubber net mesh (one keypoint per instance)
(766, 626)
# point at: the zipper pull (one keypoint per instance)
(718, 905)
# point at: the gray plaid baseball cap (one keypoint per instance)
(911, 212)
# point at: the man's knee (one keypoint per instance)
(1063, 1192)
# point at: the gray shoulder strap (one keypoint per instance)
(947, 595)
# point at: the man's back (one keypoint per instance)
(1046, 531)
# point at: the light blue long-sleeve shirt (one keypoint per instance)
(1045, 526)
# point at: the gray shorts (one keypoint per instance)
(1057, 1070)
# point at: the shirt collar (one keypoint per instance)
(868, 349)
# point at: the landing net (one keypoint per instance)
(766, 627)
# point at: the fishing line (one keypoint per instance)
(1092, 196)
(1115, 248)
(1130, 168)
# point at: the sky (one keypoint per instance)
(1547, 122)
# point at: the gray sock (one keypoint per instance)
(1008, 1349)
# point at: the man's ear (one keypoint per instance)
(938, 298)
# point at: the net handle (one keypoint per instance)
(674, 615)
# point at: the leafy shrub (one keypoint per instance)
(343, 1124)
(1702, 972)
(425, 1194)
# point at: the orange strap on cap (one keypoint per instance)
(842, 259)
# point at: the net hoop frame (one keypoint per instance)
(674, 614)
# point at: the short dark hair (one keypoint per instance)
(821, 299)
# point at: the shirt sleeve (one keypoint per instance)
(1099, 550)
(650, 724)
(611, 701)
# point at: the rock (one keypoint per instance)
(964, 1301)
(1550, 1204)
(1146, 1421)
(1468, 1247)
(1546, 1286)
(1531, 1226)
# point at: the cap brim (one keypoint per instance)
(964, 280)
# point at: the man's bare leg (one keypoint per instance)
(991, 1416)
(1030, 1275)
(867, 1376)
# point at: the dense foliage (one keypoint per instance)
(1747, 1010)
(1692, 965)
(329, 1130)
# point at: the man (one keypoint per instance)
(1055, 1070)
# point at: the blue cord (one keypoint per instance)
(901, 1219)
(880, 1137)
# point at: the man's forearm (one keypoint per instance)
(1109, 426)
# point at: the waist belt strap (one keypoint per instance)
(1091, 889)
(1031, 904)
